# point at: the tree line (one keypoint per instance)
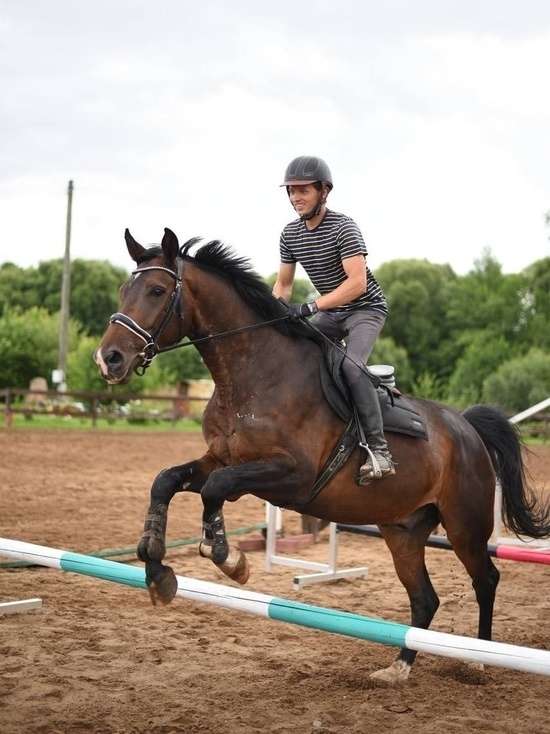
(480, 337)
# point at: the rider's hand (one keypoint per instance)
(301, 310)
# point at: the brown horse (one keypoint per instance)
(270, 430)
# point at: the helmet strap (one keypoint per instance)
(316, 209)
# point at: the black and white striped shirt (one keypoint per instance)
(321, 251)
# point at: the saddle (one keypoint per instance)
(397, 413)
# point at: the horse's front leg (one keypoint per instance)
(161, 580)
(214, 546)
(278, 484)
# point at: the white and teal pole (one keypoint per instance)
(307, 615)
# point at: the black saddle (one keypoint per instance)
(397, 413)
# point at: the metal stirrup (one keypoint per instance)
(376, 470)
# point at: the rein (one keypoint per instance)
(239, 330)
(151, 348)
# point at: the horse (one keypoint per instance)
(270, 431)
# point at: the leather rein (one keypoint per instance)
(151, 348)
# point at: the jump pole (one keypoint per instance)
(496, 550)
(283, 610)
(132, 550)
(22, 606)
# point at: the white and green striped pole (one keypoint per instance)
(307, 615)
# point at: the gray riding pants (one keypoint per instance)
(359, 328)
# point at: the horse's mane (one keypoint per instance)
(220, 258)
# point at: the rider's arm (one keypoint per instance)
(354, 285)
(285, 280)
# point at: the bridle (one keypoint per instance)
(151, 348)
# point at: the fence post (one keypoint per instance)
(94, 412)
(9, 411)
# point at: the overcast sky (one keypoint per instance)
(434, 116)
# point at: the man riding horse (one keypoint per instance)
(352, 306)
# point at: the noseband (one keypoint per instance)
(151, 348)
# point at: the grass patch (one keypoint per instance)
(109, 423)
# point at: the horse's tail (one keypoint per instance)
(522, 512)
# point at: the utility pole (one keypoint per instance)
(60, 375)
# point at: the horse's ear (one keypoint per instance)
(170, 245)
(134, 248)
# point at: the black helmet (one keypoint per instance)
(307, 169)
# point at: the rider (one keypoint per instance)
(331, 249)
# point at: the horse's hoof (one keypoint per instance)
(395, 675)
(151, 547)
(218, 554)
(163, 586)
(236, 566)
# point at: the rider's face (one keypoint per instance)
(304, 198)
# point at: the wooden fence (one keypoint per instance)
(114, 406)
(129, 407)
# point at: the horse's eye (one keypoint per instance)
(157, 291)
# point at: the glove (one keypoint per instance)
(301, 310)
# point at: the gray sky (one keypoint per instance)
(434, 116)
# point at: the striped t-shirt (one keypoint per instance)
(320, 252)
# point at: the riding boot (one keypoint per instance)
(369, 413)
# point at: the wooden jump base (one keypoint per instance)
(506, 552)
(306, 615)
(324, 571)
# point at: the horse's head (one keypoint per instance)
(222, 296)
(150, 316)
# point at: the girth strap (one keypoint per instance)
(340, 454)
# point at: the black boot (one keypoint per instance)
(379, 463)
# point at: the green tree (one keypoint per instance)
(535, 296)
(93, 297)
(429, 387)
(18, 288)
(485, 307)
(486, 300)
(482, 357)
(95, 293)
(416, 291)
(29, 345)
(519, 383)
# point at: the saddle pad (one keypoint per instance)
(398, 414)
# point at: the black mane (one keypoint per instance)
(219, 258)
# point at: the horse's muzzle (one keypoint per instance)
(113, 367)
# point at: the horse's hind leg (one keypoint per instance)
(469, 530)
(407, 546)
(485, 591)
(484, 574)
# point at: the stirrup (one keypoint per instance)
(372, 468)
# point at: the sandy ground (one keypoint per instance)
(99, 658)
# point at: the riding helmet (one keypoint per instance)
(307, 169)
